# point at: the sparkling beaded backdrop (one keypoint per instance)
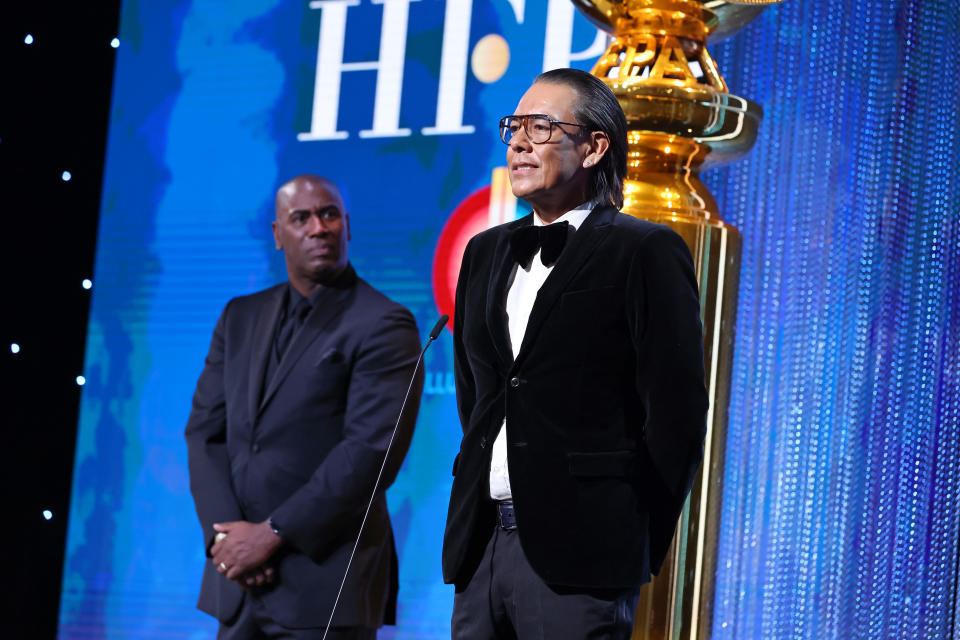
(840, 514)
(842, 481)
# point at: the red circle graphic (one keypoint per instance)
(469, 218)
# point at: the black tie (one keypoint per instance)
(549, 238)
(290, 325)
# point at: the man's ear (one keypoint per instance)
(276, 236)
(599, 145)
(346, 219)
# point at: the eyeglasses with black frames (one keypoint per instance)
(537, 126)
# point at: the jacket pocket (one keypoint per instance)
(326, 379)
(330, 356)
(600, 309)
(602, 464)
(591, 297)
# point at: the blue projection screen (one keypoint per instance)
(841, 489)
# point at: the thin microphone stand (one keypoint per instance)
(437, 328)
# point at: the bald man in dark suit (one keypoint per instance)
(291, 419)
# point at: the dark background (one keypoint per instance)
(53, 118)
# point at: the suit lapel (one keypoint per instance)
(263, 332)
(503, 267)
(330, 304)
(579, 248)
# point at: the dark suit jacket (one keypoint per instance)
(306, 447)
(605, 403)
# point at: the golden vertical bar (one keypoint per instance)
(680, 120)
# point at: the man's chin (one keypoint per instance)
(523, 191)
(326, 272)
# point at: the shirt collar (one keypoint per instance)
(574, 217)
(343, 280)
(294, 297)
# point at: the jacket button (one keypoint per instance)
(514, 382)
(483, 441)
(256, 448)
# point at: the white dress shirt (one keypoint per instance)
(521, 294)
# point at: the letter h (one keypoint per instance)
(330, 65)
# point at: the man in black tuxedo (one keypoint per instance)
(580, 385)
(290, 423)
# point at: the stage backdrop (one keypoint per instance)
(841, 493)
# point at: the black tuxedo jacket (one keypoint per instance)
(306, 447)
(605, 403)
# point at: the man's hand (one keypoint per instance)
(258, 577)
(245, 548)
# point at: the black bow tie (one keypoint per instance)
(549, 238)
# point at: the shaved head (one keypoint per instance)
(306, 183)
(312, 229)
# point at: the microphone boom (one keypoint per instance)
(434, 334)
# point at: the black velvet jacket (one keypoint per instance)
(605, 403)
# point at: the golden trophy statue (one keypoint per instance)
(680, 120)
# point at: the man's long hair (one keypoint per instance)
(598, 110)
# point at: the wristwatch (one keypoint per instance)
(273, 527)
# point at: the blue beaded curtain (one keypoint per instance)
(840, 515)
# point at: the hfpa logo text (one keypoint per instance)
(454, 54)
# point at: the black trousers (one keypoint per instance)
(507, 600)
(254, 623)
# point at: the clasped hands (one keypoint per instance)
(241, 550)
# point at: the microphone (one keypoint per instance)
(434, 334)
(437, 328)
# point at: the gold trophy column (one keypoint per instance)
(680, 120)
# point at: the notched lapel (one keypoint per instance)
(501, 269)
(263, 331)
(329, 306)
(579, 248)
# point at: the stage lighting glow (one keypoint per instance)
(87, 283)
(81, 381)
(66, 175)
(28, 39)
(14, 348)
(115, 43)
(47, 514)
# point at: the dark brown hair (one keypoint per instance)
(598, 110)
